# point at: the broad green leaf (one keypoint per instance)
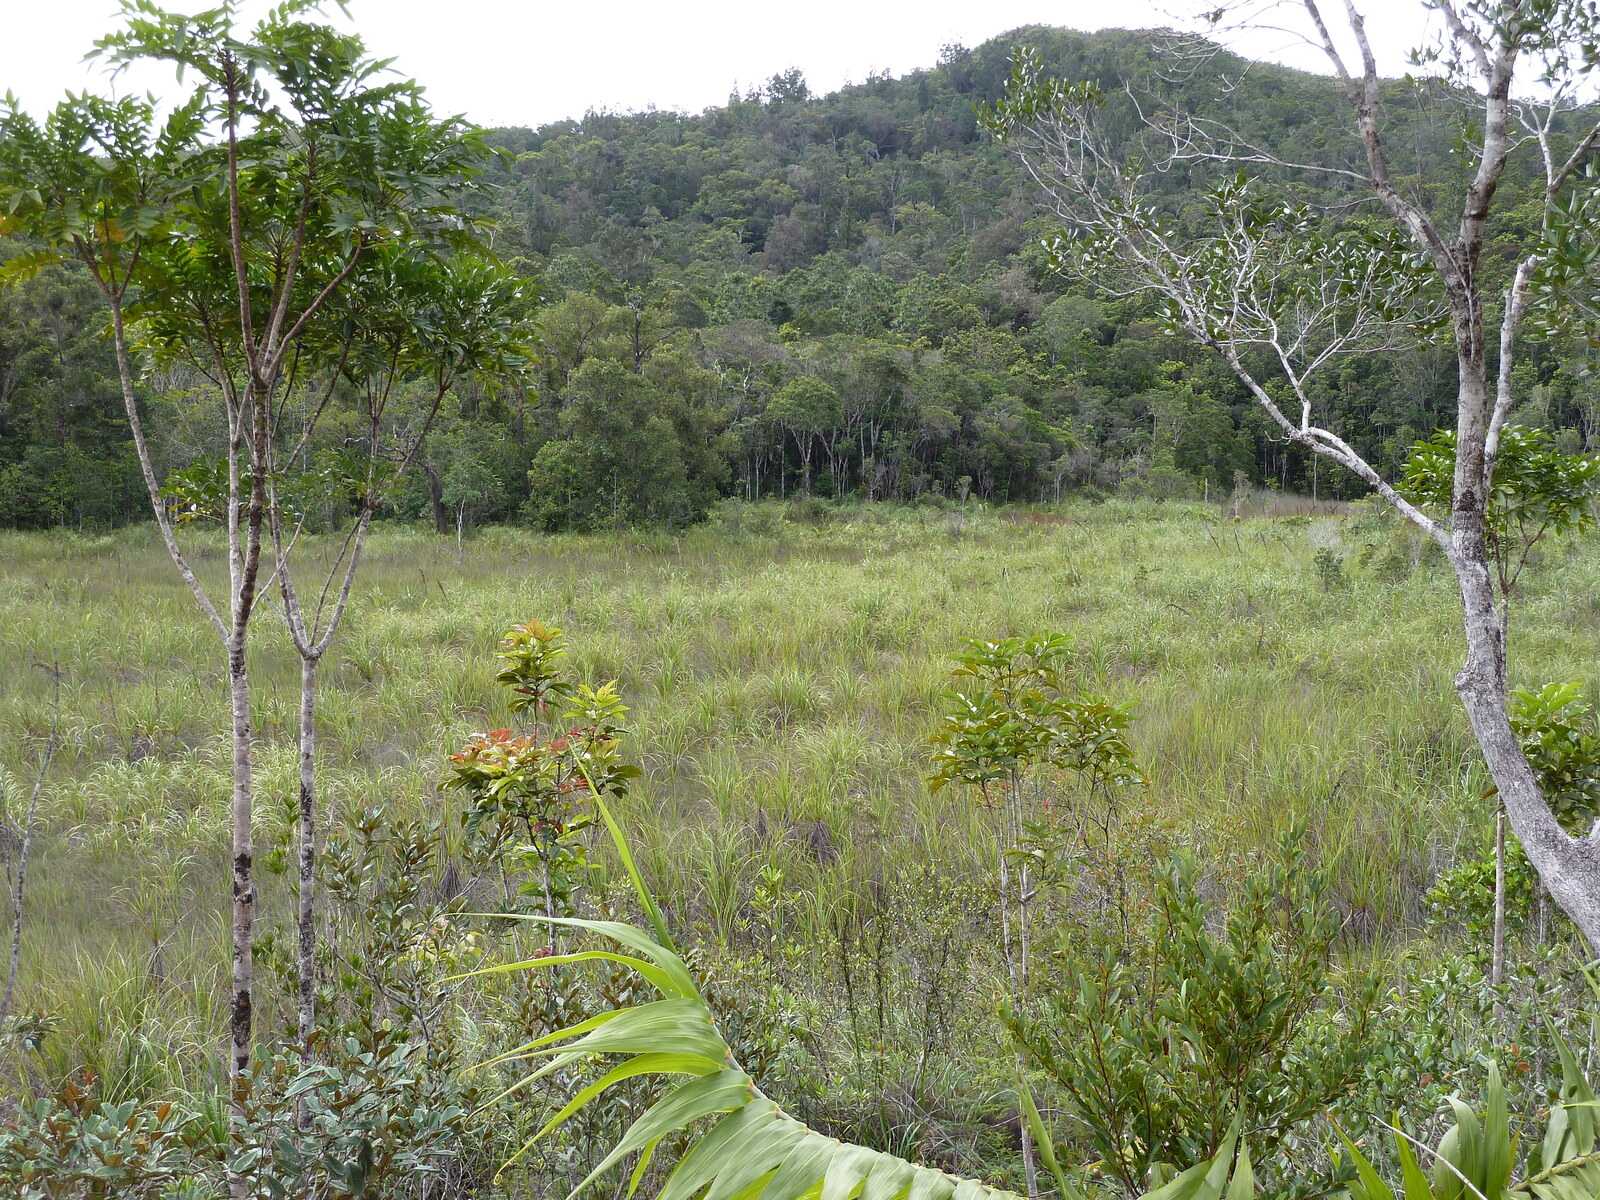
(643, 1064)
(1412, 1177)
(1372, 1186)
(700, 1165)
(661, 980)
(664, 1026)
(1203, 1181)
(723, 1092)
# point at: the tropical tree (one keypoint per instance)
(1537, 491)
(809, 409)
(404, 323)
(1009, 718)
(1281, 291)
(227, 236)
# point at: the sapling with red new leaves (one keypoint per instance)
(535, 791)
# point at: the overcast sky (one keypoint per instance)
(528, 62)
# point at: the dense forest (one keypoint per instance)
(843, 295)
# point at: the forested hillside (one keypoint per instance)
(842, 295)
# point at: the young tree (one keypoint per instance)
(1009, 720)
(404, 323)
(224, 237)
(1281, 290)
(470, 486)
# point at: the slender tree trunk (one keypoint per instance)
(1030, 1169)
(1014, 946)
(308, 851)
(441, 517)
(244, 894)
(1497, 966)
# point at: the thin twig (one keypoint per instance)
(17, 894)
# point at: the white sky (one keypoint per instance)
(528, 62)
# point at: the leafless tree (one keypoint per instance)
(1281, 289)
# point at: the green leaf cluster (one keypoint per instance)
(1009, 712)
(1164, 1040)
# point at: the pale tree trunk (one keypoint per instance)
(250, 425)
(805, 462)
(312, 633)
(1568, 867)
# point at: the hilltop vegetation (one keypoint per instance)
(839, 293)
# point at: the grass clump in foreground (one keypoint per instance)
(783, 678)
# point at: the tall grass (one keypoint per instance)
(782, 677)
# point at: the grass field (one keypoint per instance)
(783, 677)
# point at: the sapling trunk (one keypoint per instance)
(1016, 951)
(19, 888)
(242, 1013)
(441, 517)
(307, 965)
(1497, 966)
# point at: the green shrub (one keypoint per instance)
(1158, 1040)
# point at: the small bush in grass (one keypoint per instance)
(1159, 1039)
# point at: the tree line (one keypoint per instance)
(844, 295)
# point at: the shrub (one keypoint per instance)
(1160, 1042)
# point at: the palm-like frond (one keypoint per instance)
(742, 1145)
(1477, 1156)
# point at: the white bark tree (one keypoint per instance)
(403, 324)
(1280, 290)
(221, 238)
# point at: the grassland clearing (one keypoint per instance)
(783, 677)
